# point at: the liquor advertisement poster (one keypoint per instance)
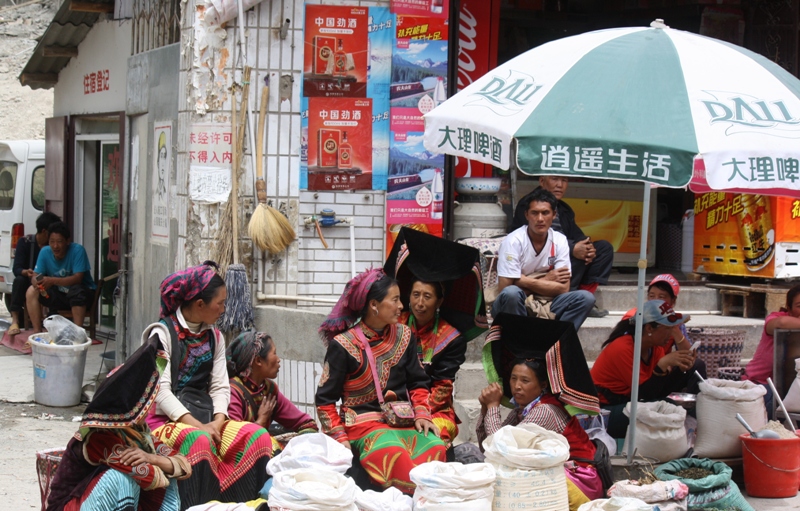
(379, 76)
(336, 52)
(419, 81)
(739, 234)
(425, 8)
(339, 144)
(162, 170)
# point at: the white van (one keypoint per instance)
(21, 200)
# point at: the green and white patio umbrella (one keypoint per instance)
(632, 104)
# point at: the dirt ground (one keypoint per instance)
(22, 110)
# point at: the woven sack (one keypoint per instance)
(715, 491)
(721, 347)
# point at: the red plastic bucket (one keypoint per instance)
(771, 467)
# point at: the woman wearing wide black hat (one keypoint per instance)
(441, 282)
(113, 462)
(537, 367)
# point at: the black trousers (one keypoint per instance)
(18, 290)
(596, 271)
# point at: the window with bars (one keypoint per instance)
(156, 23)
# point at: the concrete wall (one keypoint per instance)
(99, 52)
(152, 97)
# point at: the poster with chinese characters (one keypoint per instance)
(336, 51)
(339, 144)
(210, 144)
(162, 170)
(435, 9)
(379, 76)
(419, 81)
(415, 196)
(746, 235)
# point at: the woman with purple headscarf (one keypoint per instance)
(228, 458)
(366, 315)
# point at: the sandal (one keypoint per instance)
(13, 330)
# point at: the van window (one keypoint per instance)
(8, 181)
(37, 190)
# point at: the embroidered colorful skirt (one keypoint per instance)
(388, 454)
(111, 490)
(234, 471)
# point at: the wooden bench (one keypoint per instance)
(753, 301)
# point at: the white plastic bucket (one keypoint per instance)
(58, 372)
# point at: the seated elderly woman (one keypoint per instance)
(661, 371)
(228, 457)
(441, 283)
(113, 462)
(371, 359)
(253, 363)
(539, 365)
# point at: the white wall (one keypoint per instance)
(107, 46)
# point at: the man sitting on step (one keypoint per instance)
(590, 260)
(533, 268)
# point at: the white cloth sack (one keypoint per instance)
(717, 405)
(660, 433)
(310, 451)
(667, 495)
(390, 499)
(312, 489)
(616, 504)
(529, 461)
(443, 486)
(792, 399)
(526, 446)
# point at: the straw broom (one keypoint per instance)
(269, 229)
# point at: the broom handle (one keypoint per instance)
(242, 49)
(237, 162)
(261, 185)
(234, 182)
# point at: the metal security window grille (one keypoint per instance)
(156, 23)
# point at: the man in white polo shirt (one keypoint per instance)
(534, 249)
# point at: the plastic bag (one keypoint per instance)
(312, 450)
(63, 331)
(603, 436)
(440, 484)
(616, 504)
(667, 495)
(391, 499)
(715, 491)
(312, 489)
(526, 446)
(717, 405)
(792, 399)
(660, 433)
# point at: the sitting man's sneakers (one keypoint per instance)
(597, 312)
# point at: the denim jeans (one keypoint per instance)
(572, 306)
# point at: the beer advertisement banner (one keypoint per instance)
(739, 234)
(617, 221)
(336, 51)
(433, 9)
(339, 144)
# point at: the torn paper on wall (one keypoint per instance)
(209, 185)
(220, 11)
(210, 56)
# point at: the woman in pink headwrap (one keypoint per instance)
(228, 458)
(366, 317)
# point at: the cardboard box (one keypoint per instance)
(328, 148)
(324, 46)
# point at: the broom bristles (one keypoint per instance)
(238, 314)
(270, 230)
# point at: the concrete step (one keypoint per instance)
(692, 298)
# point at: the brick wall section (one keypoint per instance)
(306, 268)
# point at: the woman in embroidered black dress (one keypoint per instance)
(228, 458)
(367, 312)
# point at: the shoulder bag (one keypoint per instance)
(397, 414)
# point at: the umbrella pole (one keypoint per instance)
(637, 344)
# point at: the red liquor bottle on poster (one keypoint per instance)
(339, 61)
(345, 153)
(328, 148)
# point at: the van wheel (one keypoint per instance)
(7, 299)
